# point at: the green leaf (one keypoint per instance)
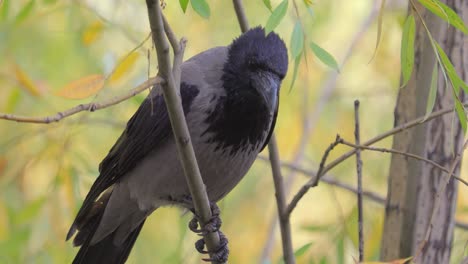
(201, 7)
(13, 100)
(464, 86)
(460, 109)
(297, 61)
(323, 260)
(297, 40)
(276, 17)
(407, 49)
(324, 56)
(24, 12)
(4, 7)
(446, 13)
(267, 3)
(302, 250)
(183, 4)
(315, 228)
(379, 27)
(340, 251)
(432, 92)
(449, 68)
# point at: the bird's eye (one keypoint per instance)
(254, 65)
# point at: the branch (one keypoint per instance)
(178, 48)
(410, 155)
(285, 225)
(357, 136)
(314, 181)
(179, 125)
(284, 220)
(90, 107)
(373, 196)
(311, 116)
(241, 17)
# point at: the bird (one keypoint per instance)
(230, 99)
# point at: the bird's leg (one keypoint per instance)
(213, 224)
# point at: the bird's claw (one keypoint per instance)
(220, 254)
(211, 226)
(214, 223)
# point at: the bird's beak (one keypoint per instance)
(269, 86)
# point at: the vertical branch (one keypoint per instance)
(357, 137)
(178, 123)
(241, 17)
(284, 220)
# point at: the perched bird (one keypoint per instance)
(230, 100)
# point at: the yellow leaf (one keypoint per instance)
(124, 66)
(92, 32)
(83, 87)
(25, 81)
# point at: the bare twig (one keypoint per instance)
(179, 125)
(178, 47)
(438, 199)
(284, 220)
(327, 179)
(313, 182)
(357, 137)
(311, 117)
(91, 107)
(241, 17)
(410, 155)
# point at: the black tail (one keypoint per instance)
(105, 251)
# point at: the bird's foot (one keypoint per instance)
(213, 224)
(218, 255)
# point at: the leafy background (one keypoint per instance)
(57, 54)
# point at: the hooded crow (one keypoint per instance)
(230, 101)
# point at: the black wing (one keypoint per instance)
(273, 123)
(148, 128)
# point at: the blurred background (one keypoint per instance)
(48, 46)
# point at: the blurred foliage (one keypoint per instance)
(100, 49)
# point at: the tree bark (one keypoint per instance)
(412, 184)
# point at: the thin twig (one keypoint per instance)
(179, 125)
(327, 179)
(357, 138)
(313, 182)
(438, 199)
(410, 155)
(91, 107)
(178, 47)
(284, 220)
(311, 118)
(241, 17)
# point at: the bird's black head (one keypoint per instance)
(257, 63)
(252, 76)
